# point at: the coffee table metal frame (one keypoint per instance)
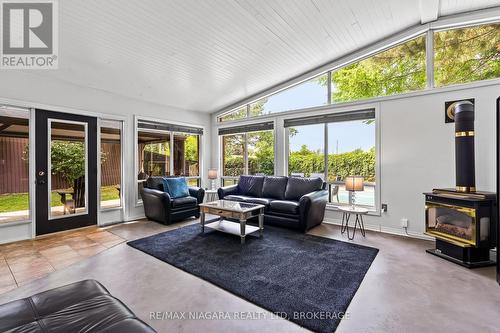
(238, 211)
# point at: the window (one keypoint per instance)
(397, 70)
(247, 150)
(111, 164)
(467, 54)
(351, 152)
(187, 156)
(346, 141)
(260, 148)
(308, 94)
(311, 93)
(240, 113)
(167, 150)
(14, 165)
(233, 156)
(306, 150)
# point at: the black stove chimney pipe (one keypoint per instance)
(463, 112)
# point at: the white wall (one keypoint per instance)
(38, 89)
(417, 150)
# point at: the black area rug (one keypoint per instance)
(307, 279)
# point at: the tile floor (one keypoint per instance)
(24, 261)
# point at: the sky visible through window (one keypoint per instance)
(342, 133)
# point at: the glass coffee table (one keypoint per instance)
(233, 216)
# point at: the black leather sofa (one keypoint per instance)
(84, 306)
(160, 207)
(291, 202)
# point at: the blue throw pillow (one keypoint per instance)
(177, 187)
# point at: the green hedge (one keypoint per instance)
(357, 162)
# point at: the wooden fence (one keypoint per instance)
(14, 166)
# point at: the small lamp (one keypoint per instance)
(212, 175)
(354, 184)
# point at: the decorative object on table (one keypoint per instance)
(81, 306)
(234, 210)
(159, 205)
(347, 211)
(354, 184)
(212, 175)
(265, 267)
(462, 219)
(291, 202)
(211, 195)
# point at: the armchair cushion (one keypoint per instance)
(155, 183)
(184, 202)
(289, 207)
(297, 187)
(274, 187)
(250, 185)
(176, 186)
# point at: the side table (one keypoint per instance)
(346, 215)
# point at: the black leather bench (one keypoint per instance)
(84, 306)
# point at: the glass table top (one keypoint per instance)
(234, 206)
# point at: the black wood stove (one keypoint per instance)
(463, 220)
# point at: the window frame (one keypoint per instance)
(373, 210)
(122, 164)
(30, 116)
(428, 30)
(245, 141)
(137, 119)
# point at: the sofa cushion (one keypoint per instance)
(298, 186)
(250, 185)
(274, 187)
(155, 183)
(176, 186)
(284, 206)
(259, 201)
(235, 197)
(184, 202)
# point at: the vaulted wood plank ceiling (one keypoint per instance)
(205, 54)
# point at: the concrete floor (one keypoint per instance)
(405, 290)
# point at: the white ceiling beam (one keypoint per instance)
(429, 10)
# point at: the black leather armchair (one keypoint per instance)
(297, 203)
(160, 207)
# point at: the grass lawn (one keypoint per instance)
(19, 201)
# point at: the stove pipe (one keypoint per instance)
(463, 113)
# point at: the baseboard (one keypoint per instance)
(386, 230)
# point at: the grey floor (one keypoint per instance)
(405, 290)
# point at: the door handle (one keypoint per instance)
(41, 177)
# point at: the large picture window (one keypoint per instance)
(167, 150)
(247, 150)
(333, 147)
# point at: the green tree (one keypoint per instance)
(467, 54)
(68, 160)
